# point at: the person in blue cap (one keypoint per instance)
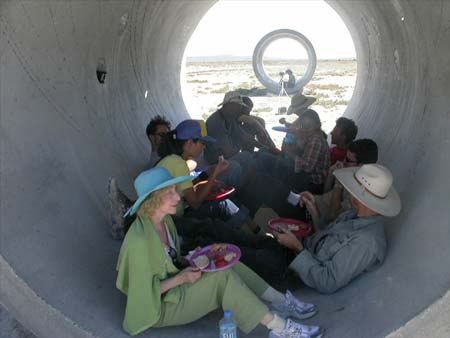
(161, 292)
(187, 141)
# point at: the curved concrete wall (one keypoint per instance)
(63, 134)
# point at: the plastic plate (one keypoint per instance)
(215, 256)
(298, 228)
(220, 194)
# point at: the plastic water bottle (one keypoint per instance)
(227, 326)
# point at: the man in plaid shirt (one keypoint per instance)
(312, 162)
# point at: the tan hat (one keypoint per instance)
(300, 103)
(371, 184)
(233, 97)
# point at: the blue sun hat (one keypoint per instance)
(193, 129)
(151, 180)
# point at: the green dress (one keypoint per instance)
(143, 264)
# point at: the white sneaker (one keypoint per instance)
(293, 307)
(118, 205)
(296, 330)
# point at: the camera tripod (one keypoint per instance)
(282, 89)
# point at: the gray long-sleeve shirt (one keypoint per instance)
(345, 249)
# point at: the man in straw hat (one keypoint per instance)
(355, 242)
(299, 103)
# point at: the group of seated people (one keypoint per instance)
(342, 193)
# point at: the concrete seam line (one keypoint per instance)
(33, 312)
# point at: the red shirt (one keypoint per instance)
(337, 154)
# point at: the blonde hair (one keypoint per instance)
(152, 202)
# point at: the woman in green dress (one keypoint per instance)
(160, 293)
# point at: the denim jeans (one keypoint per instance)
(232, 177)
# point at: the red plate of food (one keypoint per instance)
(215, 257)
(298, 228)
(220, 192)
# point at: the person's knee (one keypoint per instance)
(232, 176)
(222, 277)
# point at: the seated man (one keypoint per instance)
(342, 134)
(290, 83)
(157, 127)
(226, 127)
(307, 169)
(253, 130)
(312, 163)
(330, 258)
(334, 202)
(223, 125)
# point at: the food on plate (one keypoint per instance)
(293, 227)
(201, 262)
(230, 256)
(220, 261)
(283, 226)
(218, 247)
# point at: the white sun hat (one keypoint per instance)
(371, 184)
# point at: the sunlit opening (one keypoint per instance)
(218, 58)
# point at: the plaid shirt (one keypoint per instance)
(315, 158)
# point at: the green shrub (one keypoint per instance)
(221, 90)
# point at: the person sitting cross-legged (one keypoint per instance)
(162, 292)
(355, 242)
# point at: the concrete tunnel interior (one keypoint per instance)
(63, 134)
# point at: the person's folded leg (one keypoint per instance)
(251, 279)
(219, 289)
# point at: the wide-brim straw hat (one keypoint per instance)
(151, 180)
(299, 103)
(372, 185)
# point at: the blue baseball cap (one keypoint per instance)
(151, 180)
(193, 129)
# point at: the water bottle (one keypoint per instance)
(227, 326)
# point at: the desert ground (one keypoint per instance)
(205, 83)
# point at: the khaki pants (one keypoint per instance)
(236, 289)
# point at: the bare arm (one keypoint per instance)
(188, 275)
(307, 199)
(195, 197)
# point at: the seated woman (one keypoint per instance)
(187, 141)
(159, 294)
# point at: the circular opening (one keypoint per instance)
(218, 58)
(284, 54)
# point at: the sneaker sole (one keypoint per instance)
(275, 335)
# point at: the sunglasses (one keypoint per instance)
(174, 257)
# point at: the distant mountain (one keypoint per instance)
(218, 58)
(228, 58)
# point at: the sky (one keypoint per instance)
(234, 27)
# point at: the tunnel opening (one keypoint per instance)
(61, 142)
(218, 58)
